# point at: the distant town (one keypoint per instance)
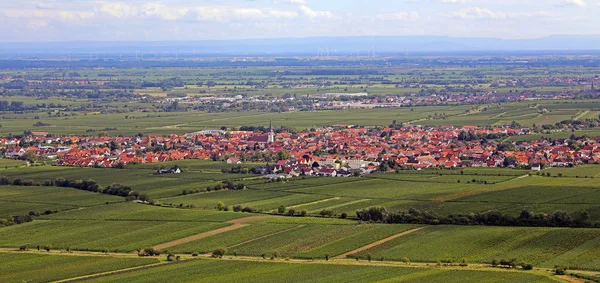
(335, 151)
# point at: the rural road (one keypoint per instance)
(235, 224)
(374, 244)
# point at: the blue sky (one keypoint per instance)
(107, 20)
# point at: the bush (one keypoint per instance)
(195, 254)
(281, 210)
(237, 208)
(344, 215)
(326, 213)
(219, 252)
(405, 260)
(149, 252)
(527, 266)
(560, 271)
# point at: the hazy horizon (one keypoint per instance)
(175, 20)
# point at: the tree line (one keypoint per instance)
(491, 218)
(85, 185)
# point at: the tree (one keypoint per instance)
(283, 155)
(405, 260)
(281, 209)
(219, 252)
(494, 262)
(220, 206)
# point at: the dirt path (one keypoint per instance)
(374, 244)
(235, 224)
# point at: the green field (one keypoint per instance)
(220, 271)
(47, 268)
(20, 200)
(545, 247)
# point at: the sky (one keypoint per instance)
(71, 20)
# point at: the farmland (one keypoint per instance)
(299, 227)
(217, 271)
(47, 268)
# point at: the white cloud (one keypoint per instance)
(75, 15)
(116, 9)
(573, 3)
(476, 13)
(161, 11)
(452, 1)
(45, 6)
(399, 16)
(293, 2)
(316, 14)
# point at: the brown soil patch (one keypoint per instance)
(374, 244)
(235, 224)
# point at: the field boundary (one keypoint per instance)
(377, 243)
(235, 224)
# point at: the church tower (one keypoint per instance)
(271, 138)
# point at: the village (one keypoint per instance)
(335, 151)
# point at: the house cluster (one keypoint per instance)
(339, 150)
(307, 165)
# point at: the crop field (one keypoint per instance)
(544, 247)
(186, 122)
(20, 200)
(220, 271)
(100, 235)
(324, 239)
(141, 180)
(137, 212)
(10, 163)
(583, 171)
(47, 268)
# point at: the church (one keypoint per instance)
(264, 139)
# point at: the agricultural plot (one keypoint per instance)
(318, 240)
(47, 268)
(100, 235)
(248, 271)
(20, 200)
(579, 171)
(139, 212)
(539, 246)
(11, 163)
(143, 181)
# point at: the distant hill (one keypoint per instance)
(336, 45)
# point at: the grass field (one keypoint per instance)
(220, 271)
(47, 268)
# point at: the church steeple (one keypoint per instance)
(271, 138)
